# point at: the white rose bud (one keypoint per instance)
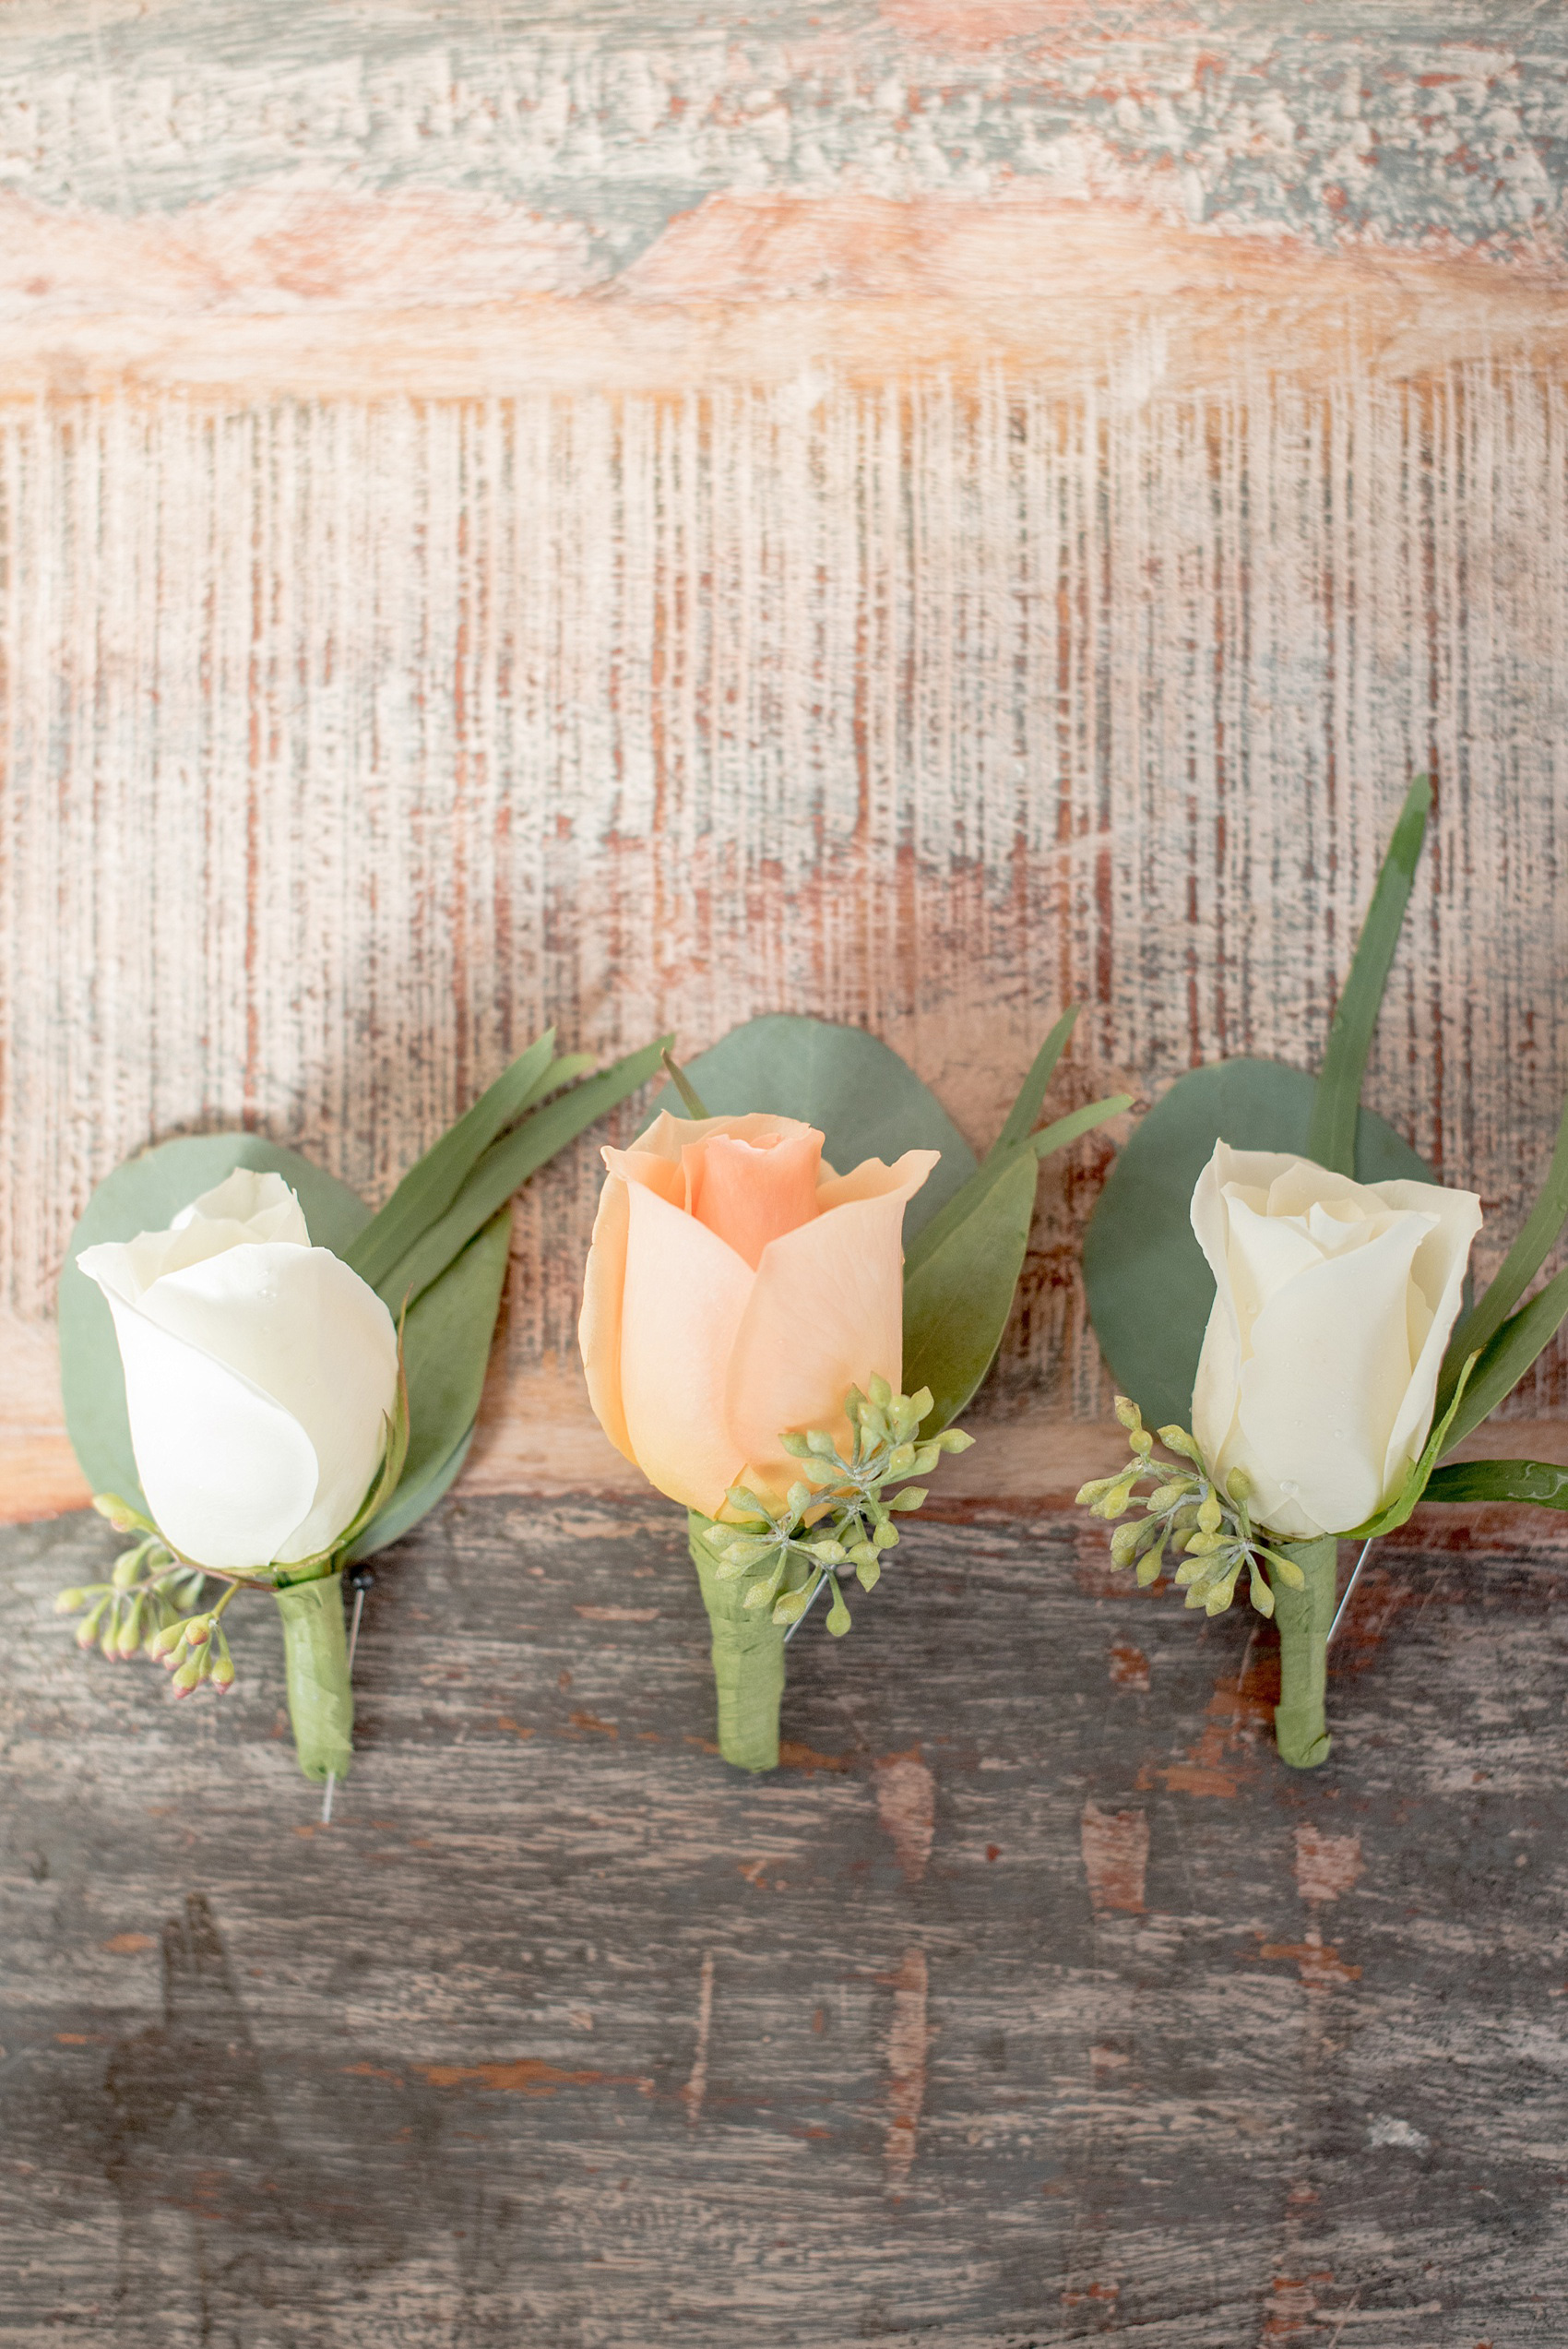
(1333, 1306)
(258, 1372)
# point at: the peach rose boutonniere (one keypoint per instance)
(745, 1332)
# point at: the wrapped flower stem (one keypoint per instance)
(748, 1660)
(316, 1663)
(1304, 1614)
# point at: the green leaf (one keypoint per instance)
(507, 1164)
(431, 1185)
(1331, 1138)
(1475, 1331)
(414, 1499)
(1041, 1146)
(865, 1100)
(957, 1298)
(1031, 1092)
(446, 1342)
(1402, 1505)
(1149, 1286)
(1508, 1354)
(145, 1195)
(1537, 1481)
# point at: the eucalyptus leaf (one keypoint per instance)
(145, 1195)
(1543, 1227)
(957, 1298)
(866, 1102)
(1148, 1282)
(1332, 1137)
(431, 1185)
(507, 1164)
(1508, 1355)
(1499, 1480)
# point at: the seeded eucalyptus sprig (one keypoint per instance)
(835, 1516)
(139, 1610)
(1203, 1523)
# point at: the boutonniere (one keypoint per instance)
(1278, 1283)
(265, 1384)
(783, 1347)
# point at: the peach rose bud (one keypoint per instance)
(737, 1289)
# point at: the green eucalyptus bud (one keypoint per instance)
(837, 1615)
(795, 1445)
(910, 1497)
(192, 1672)
(1238, 1485)
(1094, 1490)
(799, 1498)
(954, 1439)
(880, 1392)
(127, 1567)
(223, 1673)
(68, 1602)
(1211, 1517)
(87, 1634)
(868, 1573)
(886, 1536)
(1176, 1439)
(830, 1552)
(923, 1402)
(925, 1460)
(901, 1459)
(1127, 1412)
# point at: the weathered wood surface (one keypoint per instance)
(907, 513)
(1031, 2002)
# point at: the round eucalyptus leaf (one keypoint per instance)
(1148, 1282)
(867, 1101)
(145, 1195)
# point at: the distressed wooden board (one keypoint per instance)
(905, 513)
(1030, 2002)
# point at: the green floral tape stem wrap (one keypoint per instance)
(1304, 1617)
(748, 1662)
(315, 1659)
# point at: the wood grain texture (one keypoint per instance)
(911, 513)
(1030, 2002)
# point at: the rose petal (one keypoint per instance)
(1330, 1367)
(302, 1326)
(228, 1474)
(751, 1192)
(826, 1314)
(600, 1323)
(1438, 1280)
(669, 1135)
(685, 1294)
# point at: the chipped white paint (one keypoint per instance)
(345, 745)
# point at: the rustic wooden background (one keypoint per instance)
(629, 516)
(1030, 2002)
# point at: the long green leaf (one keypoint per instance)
(1518, 1269)
(446, 1341)
(1031, 1092)
(1501, 1479)
(1510, 1354)
(1041, 1146)
(1331, 1138)
(431, 1185)
(508, 1163)
(957, 1299)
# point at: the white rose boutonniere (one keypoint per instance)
(261, 1374)
(1333, 1302)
